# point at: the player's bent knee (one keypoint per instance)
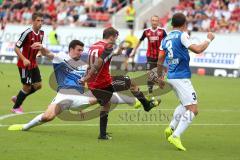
(37, 86)
(195, 112)
(27, 88)
(133, 86)
(193, 108)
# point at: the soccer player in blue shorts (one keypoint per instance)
(176, 46)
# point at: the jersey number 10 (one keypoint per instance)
(93, 55)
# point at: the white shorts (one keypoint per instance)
(184, 90)
(68, 101)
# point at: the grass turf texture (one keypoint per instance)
(136, 134)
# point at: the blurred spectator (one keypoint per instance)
(53, 37)
(64, 12)
(131, 42)
(209, 15)
(114, 7)
(26, 16)
(130, 15)
(220, 15)
(62, 17)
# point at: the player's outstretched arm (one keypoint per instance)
(199, 48)
(44, 51)
(119, 50)
(135, 49)
(160, 68)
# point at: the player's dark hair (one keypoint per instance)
(178, 20)
(108, 32)
(75, 43)
(35, 15)
(155, 16)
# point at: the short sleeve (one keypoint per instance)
(107, 54)
(58, 58)
(22, 38)
(143, 36)
(185, 40)
(164, 33)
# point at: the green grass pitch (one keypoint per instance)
(137, 135)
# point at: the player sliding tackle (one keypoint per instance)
(69, 69)
(176, 46)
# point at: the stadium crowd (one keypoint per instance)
(208, 15)
(203, 15)
(64, 12)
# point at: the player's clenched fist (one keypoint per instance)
(26, 62)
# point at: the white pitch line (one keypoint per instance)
(143, 124)
(136, 124)
(3, 117)
(14, 115)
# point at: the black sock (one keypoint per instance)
(133, 66)
(150, 86)
(103, 123)
(20, 98)
(140, 96)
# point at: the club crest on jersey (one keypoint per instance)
(159, 33)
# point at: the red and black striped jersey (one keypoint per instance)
(103, 78)
(27, 38)
(154, 40)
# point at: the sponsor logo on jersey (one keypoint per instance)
(154, 38)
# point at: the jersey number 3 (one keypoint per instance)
(169, 48)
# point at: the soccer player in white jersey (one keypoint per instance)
(176, 46)
(70, 92)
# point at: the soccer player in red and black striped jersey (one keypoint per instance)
(155, 34)
(98, 77)
(100, 81)
(27, 65)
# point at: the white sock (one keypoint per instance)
(185, 121)
(34, 122)
(122, 99)
(179, 111)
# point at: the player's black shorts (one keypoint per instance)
(103, 95)
(151, 63)
(30, 76)
(130, 24)
(121, 83)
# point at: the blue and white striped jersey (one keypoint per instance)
(68, 72)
